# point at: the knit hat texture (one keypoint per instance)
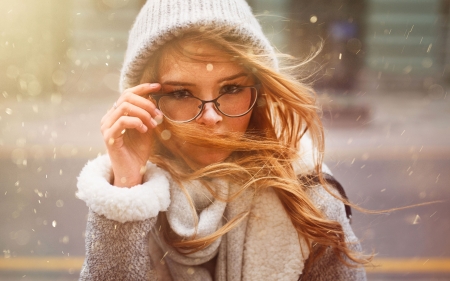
(162, 20)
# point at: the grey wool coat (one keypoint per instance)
(124, 238)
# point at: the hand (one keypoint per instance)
(125, 129)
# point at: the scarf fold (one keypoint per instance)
(264, 246)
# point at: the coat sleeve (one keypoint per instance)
(328, 266)
(119, 222)
(117, 251)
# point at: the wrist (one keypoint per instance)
(126, 181)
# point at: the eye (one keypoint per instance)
(181, 94)
(231, 89)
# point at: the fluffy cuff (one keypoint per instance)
(123, 204)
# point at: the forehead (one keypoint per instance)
(194, 58)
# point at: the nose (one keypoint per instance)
(209, 116)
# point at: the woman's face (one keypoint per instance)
(204, 73)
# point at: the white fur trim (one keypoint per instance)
(123, 204)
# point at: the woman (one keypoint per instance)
(214, 165)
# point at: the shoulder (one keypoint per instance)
(332, 207)
(329, 205)
(305, 167)
(328, 266)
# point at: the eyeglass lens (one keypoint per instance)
(184, 108)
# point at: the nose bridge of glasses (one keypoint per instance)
(209, 114)
(214, 104)
(213, 101)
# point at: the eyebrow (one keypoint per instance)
(181, 83)
(232, 77)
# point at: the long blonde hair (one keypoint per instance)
(263, 156)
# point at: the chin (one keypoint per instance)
(198, 156)
(203, 159)
(209, 160)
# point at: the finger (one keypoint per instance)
(141, 91)
(140, 101)
(128, 109)
(108, 112)
(137, 96)
(144, 89)
(123, 123)
(124, 108)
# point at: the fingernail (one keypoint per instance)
(154, 85)
(158, 119)
(144, 128)
(158, 112)
(154, 123)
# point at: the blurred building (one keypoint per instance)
(31, 44)
(407, 42)
(401, 44)
(53, 47)
(98, 32)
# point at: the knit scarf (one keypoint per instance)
(264, 246)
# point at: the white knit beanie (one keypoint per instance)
(161, 20)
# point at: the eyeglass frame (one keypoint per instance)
(157, 97)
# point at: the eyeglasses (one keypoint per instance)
(181, 106)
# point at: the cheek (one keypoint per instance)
(239, 124)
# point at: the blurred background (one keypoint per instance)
(383, 79)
